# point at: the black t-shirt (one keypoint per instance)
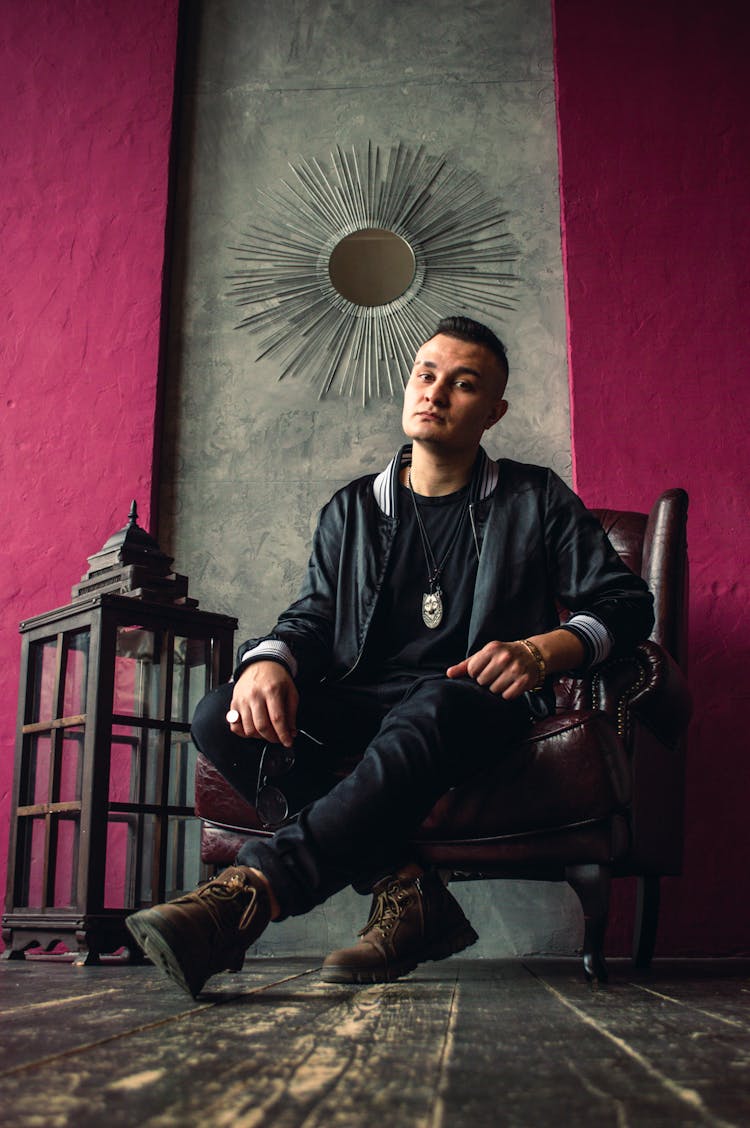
(399, 643)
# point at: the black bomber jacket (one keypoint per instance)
(539, 550)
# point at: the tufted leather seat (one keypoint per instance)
(594, 792)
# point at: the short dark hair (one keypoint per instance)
(466, 329)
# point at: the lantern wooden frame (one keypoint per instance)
(102, 820)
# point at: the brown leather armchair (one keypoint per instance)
(595, 792)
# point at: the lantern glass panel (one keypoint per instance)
(153, 768)
(189, 675)
(35, 835)
(35, 784)
(182, 771)
(76, 673)
(135, 768)
(66, 863)
(183, 855)
(71, 763)
(43, 663)
(146, 890)
(123, 764)
(138, 689)
(122, 843)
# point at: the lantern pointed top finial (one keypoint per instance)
(131, 563)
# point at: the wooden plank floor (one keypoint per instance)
(465, 1042)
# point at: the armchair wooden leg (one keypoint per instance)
(646, 920)
(591, 883)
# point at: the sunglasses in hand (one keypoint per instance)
(276, 761)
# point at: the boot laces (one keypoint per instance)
(217, 894)
(387, 909)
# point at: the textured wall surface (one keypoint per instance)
(249, 460)
(655, 148)
(85, 123)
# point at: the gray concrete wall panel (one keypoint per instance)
(248, 460)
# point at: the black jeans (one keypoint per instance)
(417, 738)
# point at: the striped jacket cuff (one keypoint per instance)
(273, 649)
(594, 636)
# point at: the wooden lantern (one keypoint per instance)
(102, 821)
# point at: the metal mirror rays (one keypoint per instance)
(289, 280)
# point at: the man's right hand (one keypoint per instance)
(266, 699)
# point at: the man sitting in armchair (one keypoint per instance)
(421, 643)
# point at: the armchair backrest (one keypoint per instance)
(654, 545)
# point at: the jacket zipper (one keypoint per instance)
(474, 528)
(351, 669)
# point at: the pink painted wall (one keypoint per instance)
(85, 122)
(655, 167)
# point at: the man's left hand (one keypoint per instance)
(510, 669)
(507, 668)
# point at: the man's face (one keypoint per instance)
(454, 394)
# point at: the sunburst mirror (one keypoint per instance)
(355, 260)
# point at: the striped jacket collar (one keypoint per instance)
(385, 486)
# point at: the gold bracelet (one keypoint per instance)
(541, 665)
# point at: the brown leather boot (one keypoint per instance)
(414, 918)
(206, 931)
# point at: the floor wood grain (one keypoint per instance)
(525, 1044)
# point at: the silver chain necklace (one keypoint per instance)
(432, 599)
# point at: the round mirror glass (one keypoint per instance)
(371, 267)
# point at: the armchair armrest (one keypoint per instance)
(646, 685)
(663, 703)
